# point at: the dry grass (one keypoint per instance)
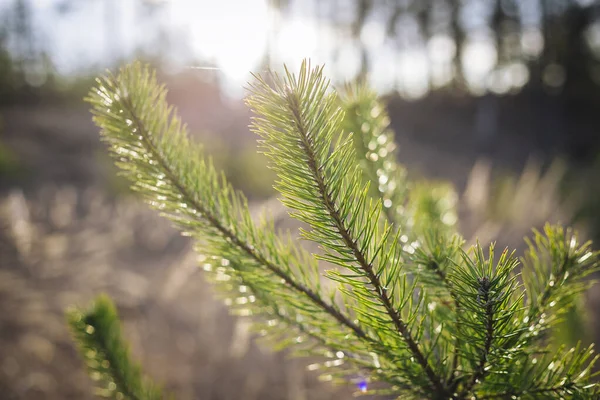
(62, 247)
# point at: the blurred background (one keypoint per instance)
(499, 98)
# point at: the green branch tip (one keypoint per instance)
(97, 333)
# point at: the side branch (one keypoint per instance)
(480, 371)
(444, 278)
(351, 243)
(231, 236)
(544, 299)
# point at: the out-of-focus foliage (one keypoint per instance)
(8, 80)
(375, 147)
(586, 185)
(236, 163)
(9, 163)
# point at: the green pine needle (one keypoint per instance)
(97, 332)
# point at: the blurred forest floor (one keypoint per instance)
(69, 229)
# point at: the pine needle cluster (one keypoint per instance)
(409, 306)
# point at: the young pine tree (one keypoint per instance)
(409, 307)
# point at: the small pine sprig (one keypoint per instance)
(555, 267)
(97, 332)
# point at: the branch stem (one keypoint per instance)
(360, 257)
(480, 371)
(235, 240)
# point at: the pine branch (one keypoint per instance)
(297, 120)
(411, 309)
(486, 291)
(229, 235)
(97, 333)
(554, 270)
(435, 255)
(152, 149)
(428, 209)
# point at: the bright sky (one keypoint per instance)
(233, 35)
